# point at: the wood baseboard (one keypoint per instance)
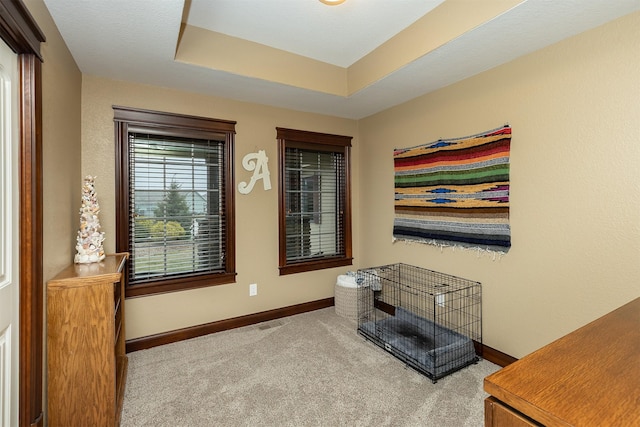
(151, 341)
(496, 356)
(488, 353)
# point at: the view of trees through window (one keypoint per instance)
(176, 227)
(173, 207)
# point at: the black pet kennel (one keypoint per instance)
(431, 321)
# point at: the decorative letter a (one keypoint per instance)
(256, 162)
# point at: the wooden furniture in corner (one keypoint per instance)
(86, 359)
(589, 377)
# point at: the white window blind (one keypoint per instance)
(177, 207)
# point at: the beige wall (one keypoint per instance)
(61, 123)
(575, 174)
(61, 85)
(256, 213)
(575, 183)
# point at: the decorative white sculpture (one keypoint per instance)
(89, 241)
(256, 162)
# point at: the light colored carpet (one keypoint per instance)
(312, 369)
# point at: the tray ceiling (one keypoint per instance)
(350, 60)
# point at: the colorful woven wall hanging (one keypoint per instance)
(455, 192)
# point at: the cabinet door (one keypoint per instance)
(498, 415)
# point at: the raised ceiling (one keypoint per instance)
(350, 60)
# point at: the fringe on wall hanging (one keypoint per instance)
(455, 192)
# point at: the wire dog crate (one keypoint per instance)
(431, 321)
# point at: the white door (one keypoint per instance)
(9, 251)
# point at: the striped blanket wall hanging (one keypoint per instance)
(455, 192)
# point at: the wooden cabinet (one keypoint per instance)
(498, 414)
(589, 377)
(86, 360)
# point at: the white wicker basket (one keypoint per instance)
(346, 299)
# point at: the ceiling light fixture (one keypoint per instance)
(332, 2)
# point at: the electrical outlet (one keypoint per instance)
(440, 300)
(253, 289)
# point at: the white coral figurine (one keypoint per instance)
(89, 241)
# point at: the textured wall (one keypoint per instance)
(61, 85)
(575, 183)
(61, 145)
(575, 195)
(256, 212)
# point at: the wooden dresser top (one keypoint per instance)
(112, 265)
(590, 377)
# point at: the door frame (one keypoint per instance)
(20, 32)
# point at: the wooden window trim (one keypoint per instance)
(318, 142)
(170, 124)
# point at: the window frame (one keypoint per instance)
(133, 120)
(292, 138)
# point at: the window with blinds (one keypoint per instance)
(315, 214)
(176, 206)
(175, 200)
